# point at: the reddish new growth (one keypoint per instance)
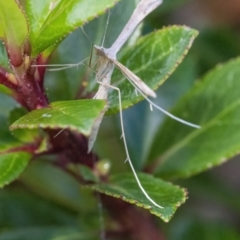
(26, 84)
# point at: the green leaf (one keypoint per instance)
(21, 134)
(85, 172)
(153, 58)
(62, 85)
(141, 117)
(78, 115)
(13, 27)
(54, 24)
(12, 165)
(16, 113)
(181, 151)
(38, 12)
(124, 186)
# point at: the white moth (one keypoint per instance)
(106, 63)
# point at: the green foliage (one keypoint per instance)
(172, 43)
(8, 33)
(124, 186)
(12, 165)
(52, 16)
(216, 112)
(63, 176)
(78, 115)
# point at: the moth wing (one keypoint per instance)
(139, 83)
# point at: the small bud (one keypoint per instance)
(103, 167)
(12, 78)
(26, 62)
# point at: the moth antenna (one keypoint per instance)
(86, 35)
(91, 53)
(105, 32)
(61, 66)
